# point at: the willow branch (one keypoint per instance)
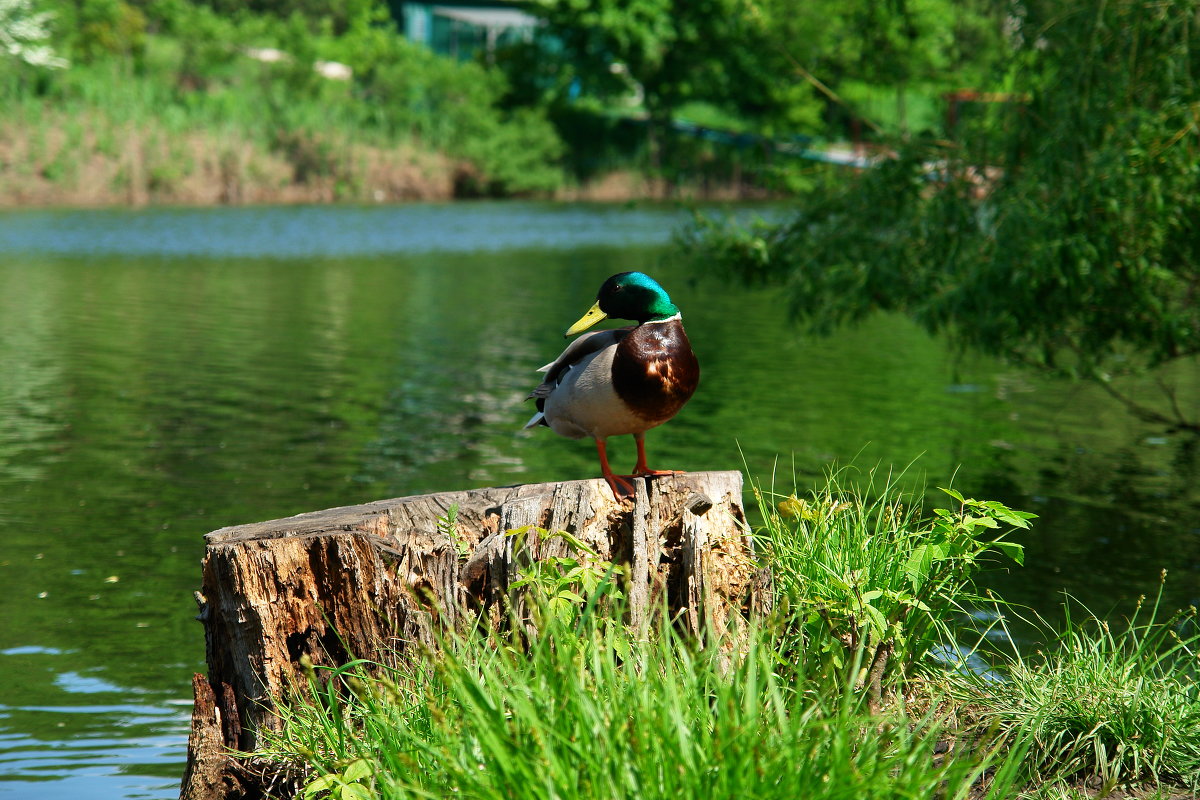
(1145, 413)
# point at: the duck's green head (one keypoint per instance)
(628, 295)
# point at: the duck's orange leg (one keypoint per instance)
(620, 487)
(640, 468)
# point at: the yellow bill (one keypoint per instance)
(589, 319)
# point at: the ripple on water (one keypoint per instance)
(70, 733)
(170, 371)
(115, 751)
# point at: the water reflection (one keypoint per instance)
(32, 389)
(79, 733)
(308, 232)
(170, 372)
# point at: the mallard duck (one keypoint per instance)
(619, 381)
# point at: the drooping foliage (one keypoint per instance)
(1059, 225)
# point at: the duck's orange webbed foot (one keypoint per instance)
(641, 470)
(621, 487)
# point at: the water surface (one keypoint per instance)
(168, 372)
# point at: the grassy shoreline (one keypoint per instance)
(856, 686)
(232, 131)
(179, 106)
(88, 159)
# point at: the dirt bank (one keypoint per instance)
(64, 160)
(70, 161)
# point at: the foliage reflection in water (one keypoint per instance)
(170, 372)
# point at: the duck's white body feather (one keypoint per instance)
(578, 391)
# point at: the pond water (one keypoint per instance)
(164, 373)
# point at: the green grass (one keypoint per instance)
(858, 570)
(1118, 701)
(571, 717)
(800, 705)
(201, 85)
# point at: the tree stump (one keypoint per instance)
(372, 580)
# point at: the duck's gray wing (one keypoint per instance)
(580, 349)
(576, 351)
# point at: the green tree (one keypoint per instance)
(778, 66)
(854, 50)
(1060, 229)
(335, 18)
(673, 51)
(923, 46)
(23, 33)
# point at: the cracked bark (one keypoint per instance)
(380, 580)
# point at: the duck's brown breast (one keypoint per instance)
(654, 370)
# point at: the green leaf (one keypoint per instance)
(575, 542)
(320, 784)
(953, 494)
(1017, 519)
(916, 602)
(359, 769)
(878, 621)
(918, 566)
(356, 791)
(519, 535)
(1011, 549)
(589, 581)
(622, 646)
(986, 522)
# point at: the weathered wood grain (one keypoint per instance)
(373, 580)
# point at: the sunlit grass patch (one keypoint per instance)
(864, 579)
(572, 718)
(1114, 702)
(840, 693)
(572, 702)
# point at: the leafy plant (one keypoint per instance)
(447, 525)
(955, 541)
(563, 586)
(868, 585)
(352, 782)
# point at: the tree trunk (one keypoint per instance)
(370, 581)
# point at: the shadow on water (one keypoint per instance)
(170, 372)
